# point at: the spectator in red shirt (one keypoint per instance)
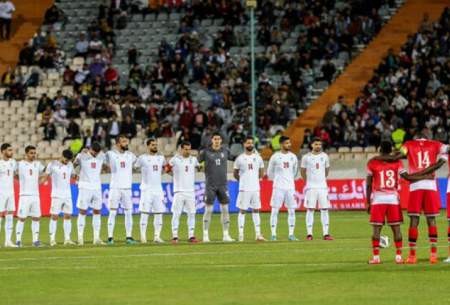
(111, 74)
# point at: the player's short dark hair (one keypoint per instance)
(150, 141)
(185, 143)
(216, 134)
(316, 139)
(68, 154)
(29, 148)
(248, 138)
(386, 147)
(284, 139)
(5, 146)
(96, 147)
(122, 136)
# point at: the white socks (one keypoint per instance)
(207, 217)
(241, 223)
(225, 218)
(35, 230)
(19, 230)
(191, 224)
(67, 228)
(129, 223)
(274, 221)
(257, 223)
(9, 226)
(157, 225)
(143, 225)
(1, 219)
(96, 225)
(111, 223)
(291, 221)
(175, 224)
(52, 228)
(80, 225)
(325, 218)
(309, 221)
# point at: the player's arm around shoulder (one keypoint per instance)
(236, 167)
(45, 172)
(303, 166)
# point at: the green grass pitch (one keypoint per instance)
(317, 272)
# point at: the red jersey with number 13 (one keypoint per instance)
(421, 154)
(385, 180)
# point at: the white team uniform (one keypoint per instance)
(121, 165)
(61, 192)
(29, 201)
(152, 195)
(316, 188)
(7, 170)
(282, 170)
(184, 183)
(89, 183)
(249, 166)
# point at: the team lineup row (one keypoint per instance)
(120, 163)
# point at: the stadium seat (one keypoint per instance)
(344, 149)
(370, 149)
(357, 149)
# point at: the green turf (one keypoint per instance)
(282, 272)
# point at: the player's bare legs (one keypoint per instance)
(376, 245)
(412, 239)
(81, 223)
(433, 238)
(207, 215)
(9, 226)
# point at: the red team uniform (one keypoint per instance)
(424, 195)
(385, 203)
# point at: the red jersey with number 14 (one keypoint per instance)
(423, 153)
(385, 181)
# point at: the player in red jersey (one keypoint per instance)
(383, 199)
(448, 215)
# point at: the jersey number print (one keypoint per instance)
(424, 159)
(122, 164)
(387, 178)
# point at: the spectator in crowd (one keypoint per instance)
(54, 15)
(128, 127)
(72, 130)
(82, 46)
(7, 10)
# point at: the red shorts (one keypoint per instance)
(380, 213)
(448, 206)
(427, 201)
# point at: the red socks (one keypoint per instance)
(412, 237)
(398, 247)
(376, 247)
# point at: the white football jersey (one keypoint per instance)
(60, 174)
(183, 173)
(282, 170)
(316, 165)
(90, 170)
(29, 173)
(7, 170)
(249, 166)
(151, 169)
(121, 165)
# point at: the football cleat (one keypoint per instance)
(80, 242)
(37, 244)
(19, 244)
(241, 238)
(411, 260)
(228, 239)
(10, 244)
(309, 237)
(68, 242)
(193, 240)
(328, 237)
(143, 240)
(99, 242)
(53, 243)
(434, 259)
(175, 240)
(374, 261)
(399, 260)
(447, 260)
(131, 241)
(110, 241)
(292, 238)
(158, 240)
(273, 238)
(260, 238)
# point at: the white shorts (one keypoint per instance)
(7, 203)
(61, 205)
(184, 202)
(248, 200)
(317, 198)
(89, 199)
(120, 197)
(29, 206)
(152, 202)
(280, 196)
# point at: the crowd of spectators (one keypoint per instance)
(161, 97)
(408, 93)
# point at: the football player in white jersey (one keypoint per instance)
(248, 170)
(91, 163)
(8, 167)
(152, 166)
(183, 167)
(60, 172)
(282, 170)
(120, 162)
(315, 167)
(30, 175)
